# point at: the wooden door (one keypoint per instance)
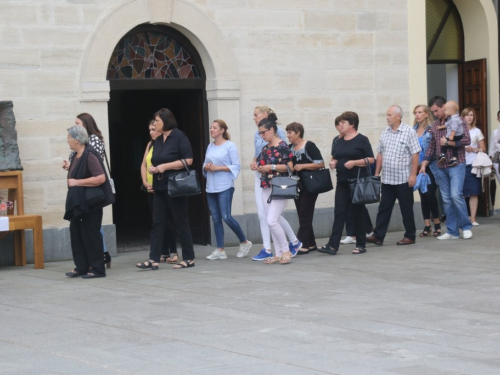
(473, 89)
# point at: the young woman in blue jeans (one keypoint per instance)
(221, 168)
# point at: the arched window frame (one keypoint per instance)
(451, 9)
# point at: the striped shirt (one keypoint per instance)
(397, 149)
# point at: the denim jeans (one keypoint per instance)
(451, 183)
(220, 208)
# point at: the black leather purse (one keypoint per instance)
(317, 181)
(183, 183)
(365, 190)
(94, 195)
(284, 187)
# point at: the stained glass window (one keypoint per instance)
(445, 40)
(151, 55)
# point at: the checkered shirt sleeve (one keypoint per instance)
(397, 149)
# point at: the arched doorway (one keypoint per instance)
(150, 68)
(450, 75)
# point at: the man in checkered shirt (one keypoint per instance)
(397, 158)
(449, 179)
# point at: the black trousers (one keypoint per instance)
(429, 201)
(177, 208)
(350, 224)
(86, 243)
(169, 242)
(342, 206)
(404, 194)
(305, 210)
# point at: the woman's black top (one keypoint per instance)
(307, 154)
(88, 165)
(357, 148)
(175, 147)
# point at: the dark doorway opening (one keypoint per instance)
(129, 113)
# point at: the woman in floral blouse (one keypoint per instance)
(271, 162)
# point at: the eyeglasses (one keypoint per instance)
(263, 132)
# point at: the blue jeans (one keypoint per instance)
(220, 208)
(451, 184)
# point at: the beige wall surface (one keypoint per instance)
(309, 60)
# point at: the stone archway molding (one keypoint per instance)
(216, 54)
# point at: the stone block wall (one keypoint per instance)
(309, 60)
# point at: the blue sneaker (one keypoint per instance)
(263, 255)
(294, 248)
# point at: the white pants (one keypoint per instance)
(264, 227)
(273, 219)
(497, 172)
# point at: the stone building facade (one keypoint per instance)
(308, 59)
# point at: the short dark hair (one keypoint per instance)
(268, 124)
(498, 114)
(351, 117)
(167, 117)
(437, 100)
(337, 120)
(296, 128)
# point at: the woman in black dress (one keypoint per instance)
(352, 152)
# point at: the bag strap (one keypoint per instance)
(107, 163)
(184, 162)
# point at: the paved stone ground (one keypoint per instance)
(430, 308)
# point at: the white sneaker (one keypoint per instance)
(217, 254)
(475, 224)
(348, 240)
(244, 249)
(369, 234)
(447, 236)
(467, 234)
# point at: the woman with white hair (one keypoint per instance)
(88, 192)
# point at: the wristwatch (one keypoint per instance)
(446, 144)
(273, 167)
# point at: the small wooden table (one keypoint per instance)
(13, 181)
(17, 224)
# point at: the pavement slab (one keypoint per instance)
(429, 308)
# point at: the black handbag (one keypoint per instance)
(94, 195)
(316, 181)
(284, 187)
(365, 190)
(183, 183)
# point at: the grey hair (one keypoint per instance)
(79, 134)
(398, 109)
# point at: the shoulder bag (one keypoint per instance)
(94, 195)
(284, 187)
(111, 182)
(183, 183)
(315, 181)
(365, 190)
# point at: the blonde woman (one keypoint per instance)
(472, 184)
(260, 113)
(428, 201)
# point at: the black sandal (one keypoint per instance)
(302, 251)
(327, 250)
(437, 230)
(184, 264)
(148, 264)
(73, 273)
(359, 250)
(426, 231)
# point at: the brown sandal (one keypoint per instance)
(285, 258)
(272, 260)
